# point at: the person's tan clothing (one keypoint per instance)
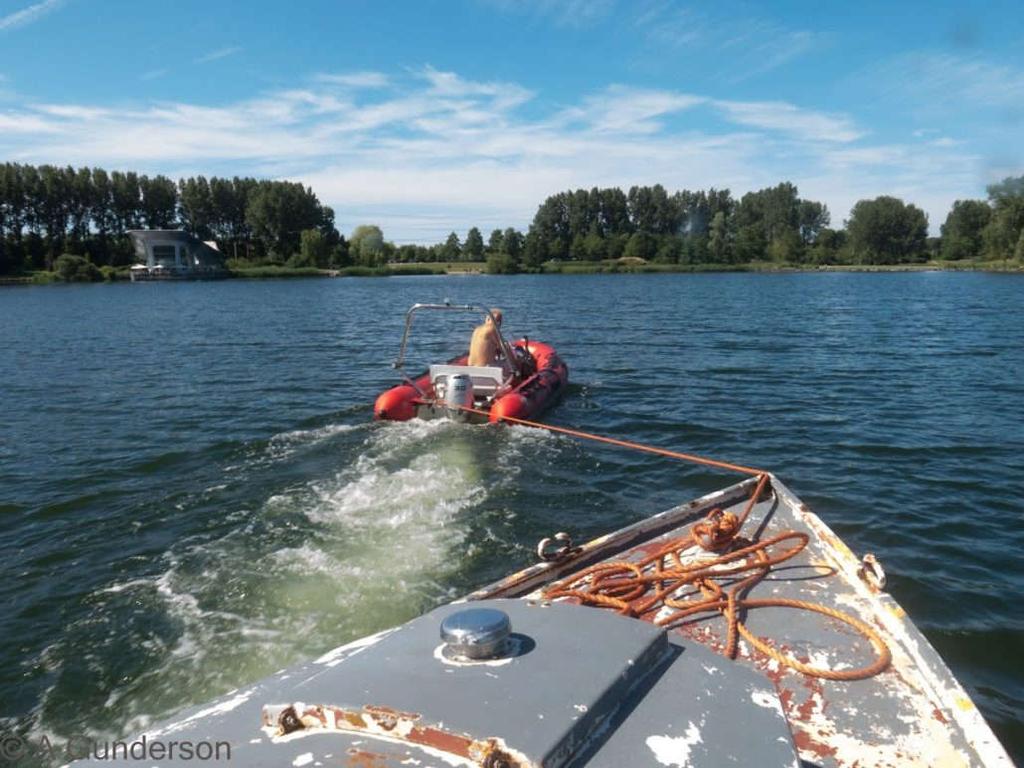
(484, 346)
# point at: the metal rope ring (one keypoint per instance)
(547, 554)
(872, 572)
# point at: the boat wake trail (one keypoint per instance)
(385, 532)
(319, 561)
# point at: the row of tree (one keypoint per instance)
(686, 226)
(47, 211)
(993, 228)
(773, 223)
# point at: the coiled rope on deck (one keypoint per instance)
(662, 587)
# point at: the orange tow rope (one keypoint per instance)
(692, 458)
(662, 587)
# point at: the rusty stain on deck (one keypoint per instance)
(289, 720)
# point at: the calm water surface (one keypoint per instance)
(192, 494)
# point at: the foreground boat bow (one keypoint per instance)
(575, 684)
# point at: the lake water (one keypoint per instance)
(193, 495)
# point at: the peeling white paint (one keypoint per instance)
(819, 659)
(397, 734)
(929, 687)
(663, 613)
(334, 657)
(768, 700)
(217, 709)
(675, 750)
(453, 760)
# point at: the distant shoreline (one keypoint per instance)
(564, 268)
(768, 266)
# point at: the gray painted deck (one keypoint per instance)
(585, 686)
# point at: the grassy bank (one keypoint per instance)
(622, 266)
(438, 268)
(642, 267)
(43, 277)
(391, 270)
(631, 266)
(1000, 265)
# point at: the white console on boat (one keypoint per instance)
(486, 378)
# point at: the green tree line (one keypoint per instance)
(47, 211)
(712, 227)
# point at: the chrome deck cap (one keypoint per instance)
(476, 633)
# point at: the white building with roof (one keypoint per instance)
(173, 254)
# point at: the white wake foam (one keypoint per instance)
(315, 565)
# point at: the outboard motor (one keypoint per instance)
(458, 394)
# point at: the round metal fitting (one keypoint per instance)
(476, 633)
(872, 572)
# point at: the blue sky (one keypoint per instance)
(430, 116)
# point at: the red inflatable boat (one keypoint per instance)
(529, 378)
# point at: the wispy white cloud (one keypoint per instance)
(28, 14)
(355, 79)
(15, 123)
(73, 111)
(749, 44)
(787, 118)
(153, 74)
(504, 95)
(961, 100)
(950, 80)
(220, 53)
(432, 150)
(562, 13)
(929, 176)
(620, 109)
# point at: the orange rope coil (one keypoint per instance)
(643, 589)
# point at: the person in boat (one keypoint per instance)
(485, 346)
